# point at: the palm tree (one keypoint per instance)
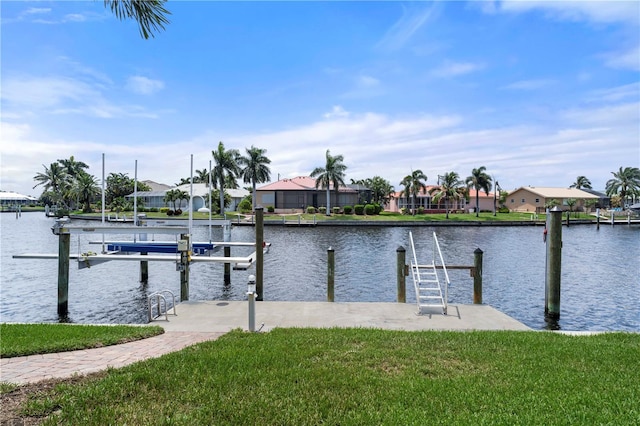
(479, 180)
(581, 182)
(73, 167)
(625, 182)
(150, 14)
(86, 189)
(255, 169)
(331, 173)
(54, 180)
(413, 184)
(451, 188)
(202, 176)
(226, 167)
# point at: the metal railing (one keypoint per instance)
(436, 247)
(159, 301)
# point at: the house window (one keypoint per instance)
(537, 200)
(523, 200)
(513, 201)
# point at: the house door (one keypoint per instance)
(315, 200)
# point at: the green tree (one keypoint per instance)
(381, 189)
(226, 168)
(150, 14)
(625, 183)
(55, 181)
(331, 173)
(413, 184)
(571, 202)
(74, 168)
(451, 188)
(581, 182)
(86, 190)
(255, 170)
(121, 185)
(479, 180)
(215, 200)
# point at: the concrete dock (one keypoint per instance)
(222, 316)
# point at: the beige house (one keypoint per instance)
(533, 199)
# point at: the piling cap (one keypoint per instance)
(556, 209)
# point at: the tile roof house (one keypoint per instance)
(533, 199)
(299, 192)
(424, 200)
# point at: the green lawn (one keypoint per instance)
(28, 339)
(362, 377)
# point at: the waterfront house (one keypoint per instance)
(425, 200)
(9, 199)
(299, 192)
(155, 198)
(534, 199)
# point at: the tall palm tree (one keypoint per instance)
(55, 180)
(331, 173)
(202, 176)
(581, 182)
(413, 184)
(73, 167)
(625, 182)
(451, 188)
(86, 190)
(479, 180)
(255, 169)
(150, 14)
(226, 167)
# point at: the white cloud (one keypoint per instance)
(144, 85)
(412, 19)
(615, 94)
(452, 69)
(533, 84)
(36, 10)
(367, 81)
(628, 59)
(65, 95)
(591, 11)
(336, 112)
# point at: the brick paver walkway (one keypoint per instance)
(33, 368)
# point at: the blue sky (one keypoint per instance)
(538, 92)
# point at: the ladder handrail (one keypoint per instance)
(436, 244)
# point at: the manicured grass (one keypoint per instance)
(362, 377)
(28, 339)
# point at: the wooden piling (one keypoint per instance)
(554, 265)
(477, 276)
(597, 218)
(64, 244)
(227, 266)
(331, 271)
(144, 269)
(401, 255)
(259, 212)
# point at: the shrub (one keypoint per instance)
(359, 209)
(322, 210)
(336, 210)
(311, 209)
(270, 209)
(404, 210)
(178, 212)
(347, 209)
(245, 206)
(378, 208)
(370, 210)
(503, 210)
(169, 212)
(420, 210)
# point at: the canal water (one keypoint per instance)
(600, 271)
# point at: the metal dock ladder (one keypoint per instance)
(429, 292)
